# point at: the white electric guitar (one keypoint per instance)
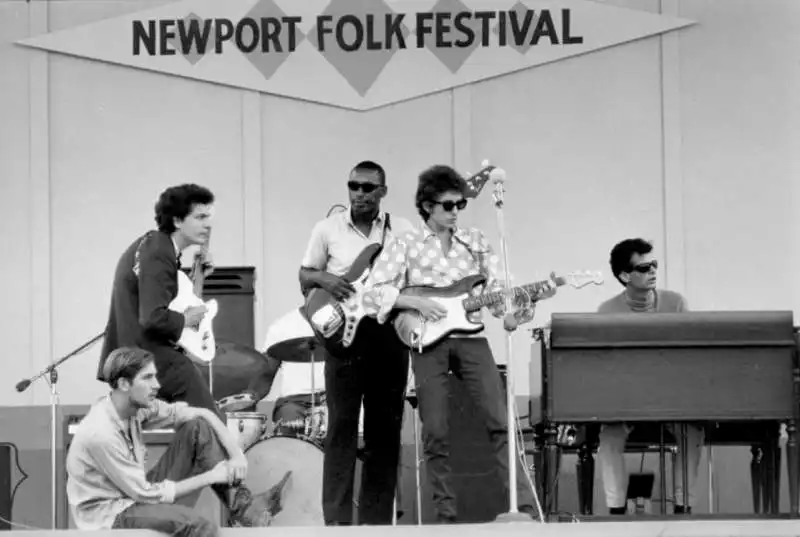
(198, 343)
(459, 302)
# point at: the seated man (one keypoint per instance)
(635, 268)
(296, 395)
(107, 486)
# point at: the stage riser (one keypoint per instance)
(28, 430)
(751, 528)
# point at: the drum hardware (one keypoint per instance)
(248, 427)
(237, 403)
(291, 339)
(413, 400)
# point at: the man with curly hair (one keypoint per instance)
(146, 282)
(439, 253)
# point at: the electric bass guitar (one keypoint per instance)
(335, 322)
(459, 302)
(198, 343)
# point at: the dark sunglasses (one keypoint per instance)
(366, 188)
(450, 205)
(644, 268)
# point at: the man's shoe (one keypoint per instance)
(529, 510)
(617, 510)
(257, 510)
(681, 510)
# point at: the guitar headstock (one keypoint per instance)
(582, 278)
(476, 182)
(497, 176)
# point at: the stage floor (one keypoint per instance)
(656, 528)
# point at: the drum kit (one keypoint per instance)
(245, 376)
(293, 445)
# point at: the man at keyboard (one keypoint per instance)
(634, 266)
(107, 486)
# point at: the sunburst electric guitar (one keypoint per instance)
(336, 322)
(459, 302)
(198, 343)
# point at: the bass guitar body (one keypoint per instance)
(337, 323)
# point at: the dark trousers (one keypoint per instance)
(377, 373)
(181, 380)
(195, 449)
(471, 361)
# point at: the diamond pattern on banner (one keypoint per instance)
(453, 57)
(195, 30)
(268, 61)
(366, 43)
(523, 24)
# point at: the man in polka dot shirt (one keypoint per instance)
(438, 254)
(374, 371)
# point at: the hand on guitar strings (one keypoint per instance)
(523, 309)
(336, 286)
(430, 310)
(206, 262)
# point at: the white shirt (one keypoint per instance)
(335, 242)
(296, 379)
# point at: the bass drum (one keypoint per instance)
(269, 459)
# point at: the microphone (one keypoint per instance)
(23, 385)
(498, 176)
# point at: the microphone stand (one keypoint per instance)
(51, 374)
(513, 515)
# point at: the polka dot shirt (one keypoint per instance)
(417, 257)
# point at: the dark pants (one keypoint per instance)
(195, 449)
(377, 373)
(471, 361)
(181, 380)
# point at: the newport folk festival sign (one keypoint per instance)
(357, 54)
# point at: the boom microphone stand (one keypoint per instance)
(498, 177)
(52, 379)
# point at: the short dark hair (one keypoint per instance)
(435, 181)
(177, 202)
(370, 166)
(622, 252)
(125, 363)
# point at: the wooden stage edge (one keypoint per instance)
(683, 528)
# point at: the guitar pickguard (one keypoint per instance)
(345, 315)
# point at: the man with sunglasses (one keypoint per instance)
(634, 266)
(438, 254)
(374, 371)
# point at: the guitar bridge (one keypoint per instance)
(327, 320)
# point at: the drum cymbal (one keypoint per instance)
(298, 350)
(291, 339)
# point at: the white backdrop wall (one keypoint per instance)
(685, 138)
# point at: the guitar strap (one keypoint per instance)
(387, 226)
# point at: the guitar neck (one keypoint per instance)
(533, 290)
(198, 278)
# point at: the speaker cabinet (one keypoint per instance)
(234, 290)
